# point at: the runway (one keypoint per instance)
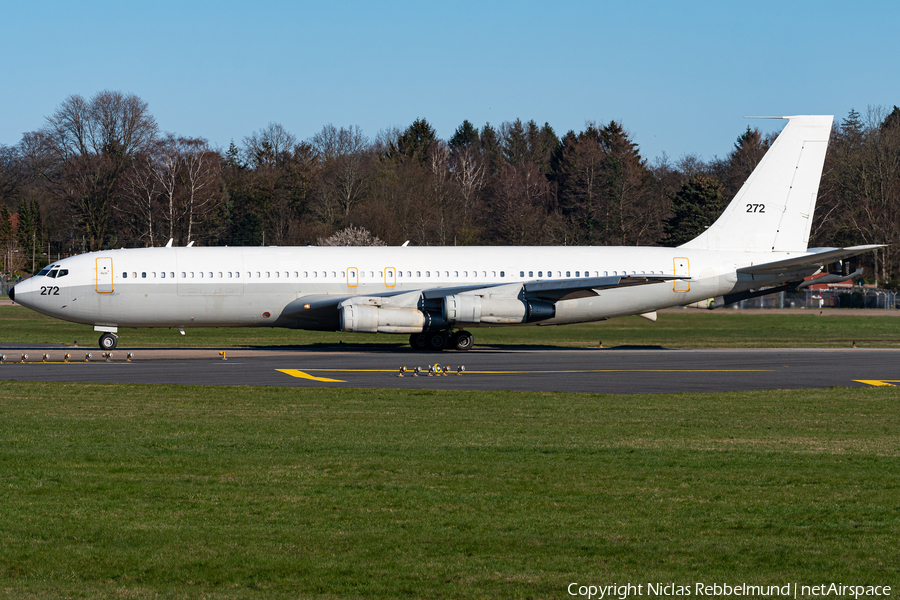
(615, 371)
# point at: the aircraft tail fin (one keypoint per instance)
(773, 210)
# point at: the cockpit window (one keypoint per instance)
(62, 273)
(43, 271)
(53, 273)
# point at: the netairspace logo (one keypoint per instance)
(723, 590)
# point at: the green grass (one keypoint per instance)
(683, 329)
(201, 492)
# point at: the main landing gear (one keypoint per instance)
(435, 341)
(108, 341)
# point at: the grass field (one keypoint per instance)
(681, 329)
(199, 492)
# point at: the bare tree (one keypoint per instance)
(346, 165)
(142, 191)
(94, 141)
(201, 168)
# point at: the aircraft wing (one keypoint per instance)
(822, 257)
(558, 289)
(545, 289)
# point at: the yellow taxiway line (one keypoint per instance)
(878, 382)
(302, 375)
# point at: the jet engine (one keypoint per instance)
(372, 319)
(479, 309)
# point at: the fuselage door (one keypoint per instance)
(104, 284)
(390, 277)
(682, 268)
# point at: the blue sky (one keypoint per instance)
(679, 75)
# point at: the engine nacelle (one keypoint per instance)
(478, 309)
(372, 319)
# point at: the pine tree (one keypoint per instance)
(694, 208)
(466, 136)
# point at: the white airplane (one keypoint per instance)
(436, 293)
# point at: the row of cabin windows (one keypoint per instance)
(334, 274)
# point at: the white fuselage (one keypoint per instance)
(232, 287)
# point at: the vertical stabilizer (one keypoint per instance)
(773, 210)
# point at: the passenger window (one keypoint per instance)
(333, 274)
(447, 274)
(418, 273)
(210, 274)
(154, 274)
(125, 275)
(521, 273)
(502, 273)
(258, 275)
(456, 273)
(296, 274)
(343, 274)
(568, 273)
(268, 274)
(540, 273)
(163, 274)
(144, 275)
(134, 274)
(277, 274)
(577, 273)
(493, 273)
(306, 274)
(172, 274)
(183, 275)
(427, 273)
(465, 273)
(220, 274)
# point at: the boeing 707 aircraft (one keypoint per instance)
(435, 294)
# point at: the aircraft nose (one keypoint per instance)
(12, 293)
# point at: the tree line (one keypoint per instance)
(101, 174)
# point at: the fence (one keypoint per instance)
(855, 297)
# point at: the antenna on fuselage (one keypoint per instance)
(404, 244)
(169, 243)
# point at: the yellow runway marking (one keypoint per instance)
(302, 375)
(878, 382)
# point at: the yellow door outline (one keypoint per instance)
(352, 277)
(104, 272)
(390, 277)
(681, 266)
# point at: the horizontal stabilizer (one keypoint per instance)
(806, 261)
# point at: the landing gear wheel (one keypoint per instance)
(437, 341)
(419, 341)
(108, 341)
(462, 341)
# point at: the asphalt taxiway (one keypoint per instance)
(617, 371)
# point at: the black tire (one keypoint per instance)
(419, 341)
(437, 341)
(462, 341)
(108, 341)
